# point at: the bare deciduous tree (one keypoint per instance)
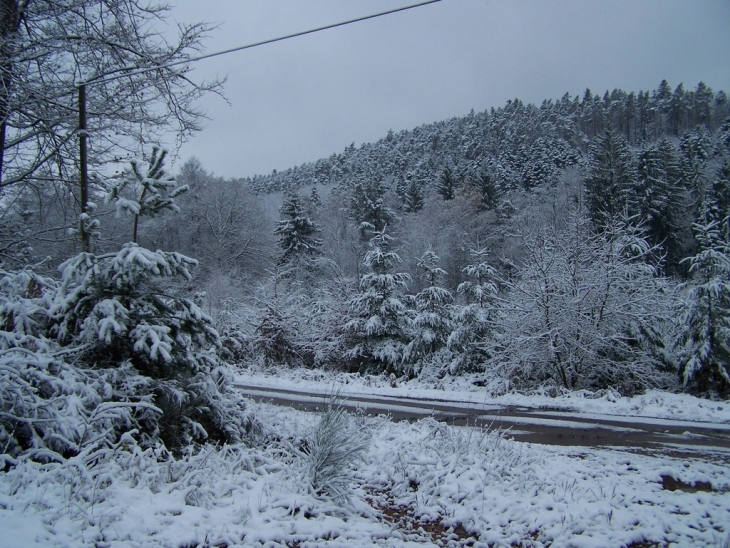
(49, 47)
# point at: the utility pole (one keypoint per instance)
(84, 171)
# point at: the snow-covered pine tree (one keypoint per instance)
(49, 407)
(368, 208)
(413, 199)
(296, 231)
(487, 190)
(430, 324)
(112, 348)
(315, 202)
(610, 180)
(122, 313)
(446, 186)
(151, 192)
(658, 199)
(378, 328)
(706, 363)
(472, 321)
(107, 350)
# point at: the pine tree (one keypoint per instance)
(401, 186)
(446, 186)
(413, 199)
(431, 324)
(111, 351)
(678, 109)
(314, 200)
(611, 179)
(707, 314)
(706, 364)
(368, 208)
(156, 192)
(701, 105)
(488, 193)
(378, 328)
(658, 198)
(296, 231)
(696, 149)
(472, 321)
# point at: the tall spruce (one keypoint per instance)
(157, 192)
(413, 199)
(487, 190)
(611, 179)
(706, 364)
(368, 208)
(431, 323)
(472, 321)
(296, 231)
(446, 186)
(659, 199)
(380, 314)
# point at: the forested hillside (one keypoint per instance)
(524, 146)
(581, 244)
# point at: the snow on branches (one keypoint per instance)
(107, 349)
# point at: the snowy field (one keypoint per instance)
(403, 484)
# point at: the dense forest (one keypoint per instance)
(583, 244)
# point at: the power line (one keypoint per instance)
(132, 71)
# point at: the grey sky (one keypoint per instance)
(305, 98)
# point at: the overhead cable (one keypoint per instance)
(132, 71)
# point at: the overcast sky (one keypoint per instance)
(302, 99)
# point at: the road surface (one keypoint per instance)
(552, 427)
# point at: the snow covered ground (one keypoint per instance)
(491, 490)
(655, 403)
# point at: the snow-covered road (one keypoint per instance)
(536, 425)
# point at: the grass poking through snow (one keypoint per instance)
(335, 480)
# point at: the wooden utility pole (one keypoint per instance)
(84, 171)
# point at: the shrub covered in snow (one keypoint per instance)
(107, 349)
(587, 311)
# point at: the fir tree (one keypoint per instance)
(156, 191)
(486, 191)
(706, 366)
(111, 351)
(611, 179)
(368, 208)
(431, 324)
(658, 199)
(401, 187)
(472, 321)
(701, 105)
(446, 186)
(315, 201)
(296, 231)
(380, 314)
(413, 199)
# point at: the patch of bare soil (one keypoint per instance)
(671, 484)
(402, 518)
